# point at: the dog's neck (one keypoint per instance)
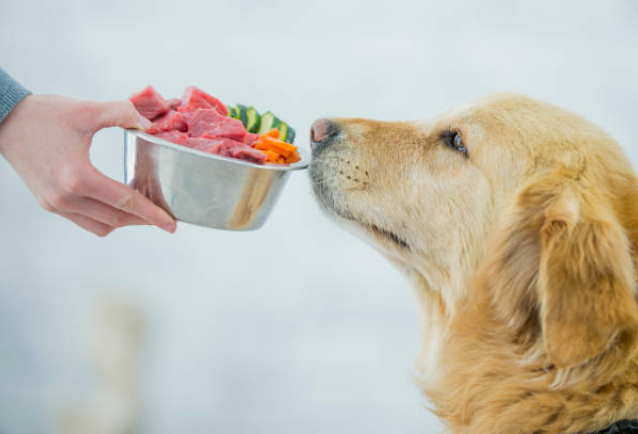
(477, 374)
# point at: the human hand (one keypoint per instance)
(46, 139)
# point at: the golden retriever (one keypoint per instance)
(517, 224)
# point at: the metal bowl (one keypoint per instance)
(201, 188)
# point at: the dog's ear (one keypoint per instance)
(562, 268)
(585, 279)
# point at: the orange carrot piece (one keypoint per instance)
(280, 143)
(272, 156)
(293, 158)
(282, 153)
(265, 146)
(285, 149)
(272, 133)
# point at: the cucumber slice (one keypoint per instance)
(283, 130)
(267, 120)
(252, 124)
(241, 113)
(270, 121)
(290, 137)
(276, 123)
(231, 112)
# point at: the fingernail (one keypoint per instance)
(144, 123)
(169, 227)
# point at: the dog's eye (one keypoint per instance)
(454, 140)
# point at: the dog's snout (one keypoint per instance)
(322, 131)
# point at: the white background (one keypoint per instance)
(298, 327)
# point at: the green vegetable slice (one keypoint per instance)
(290, 137)
(267, 120)
(241, 113)
(283, 130)
(253, 120)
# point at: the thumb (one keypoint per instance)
(121, 114)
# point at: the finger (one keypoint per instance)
(91, 225)
(110, 192)
(120, 114)
(103, 213)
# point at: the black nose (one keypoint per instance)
(322, 132)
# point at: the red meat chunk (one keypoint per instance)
(149, 103)
(250, 139)
(195, 98)
(173, 103)
(187, 114)
(249, 154)
(234, 149)
(205, 145)
(227, 148)
(177, 137)
(198, 121)
(171, 120)
(210, 124)
(226, 133)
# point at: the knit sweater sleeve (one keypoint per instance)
(11, 93)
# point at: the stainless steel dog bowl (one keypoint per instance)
(201, 188)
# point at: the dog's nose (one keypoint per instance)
(322, 131)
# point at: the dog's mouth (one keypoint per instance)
(326, 197)
(390, 236)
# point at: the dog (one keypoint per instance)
(516, 222)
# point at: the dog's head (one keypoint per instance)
(531, 202)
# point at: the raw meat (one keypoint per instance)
(250, 139)
(150, 103)
(249, 154)
(195, 98)
(187, 114)
(173, 136)
(210, 124)
(173, 103)
(226, 148)
(171, 120)
(198, 121)
(205, 145)
(234, 149)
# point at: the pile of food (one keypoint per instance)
(200, 121)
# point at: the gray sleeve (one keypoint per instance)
(11, 93)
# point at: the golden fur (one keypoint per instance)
(523, 258)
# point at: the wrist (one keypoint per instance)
(8, 120)
(11, 93)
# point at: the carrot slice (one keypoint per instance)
(285, 149)
(276, 142)
(272, 133)
(293, 158)
(262, 146)
(272, 156)
(277, 150)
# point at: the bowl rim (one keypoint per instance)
(299, 165)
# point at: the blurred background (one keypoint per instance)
(297, 327)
